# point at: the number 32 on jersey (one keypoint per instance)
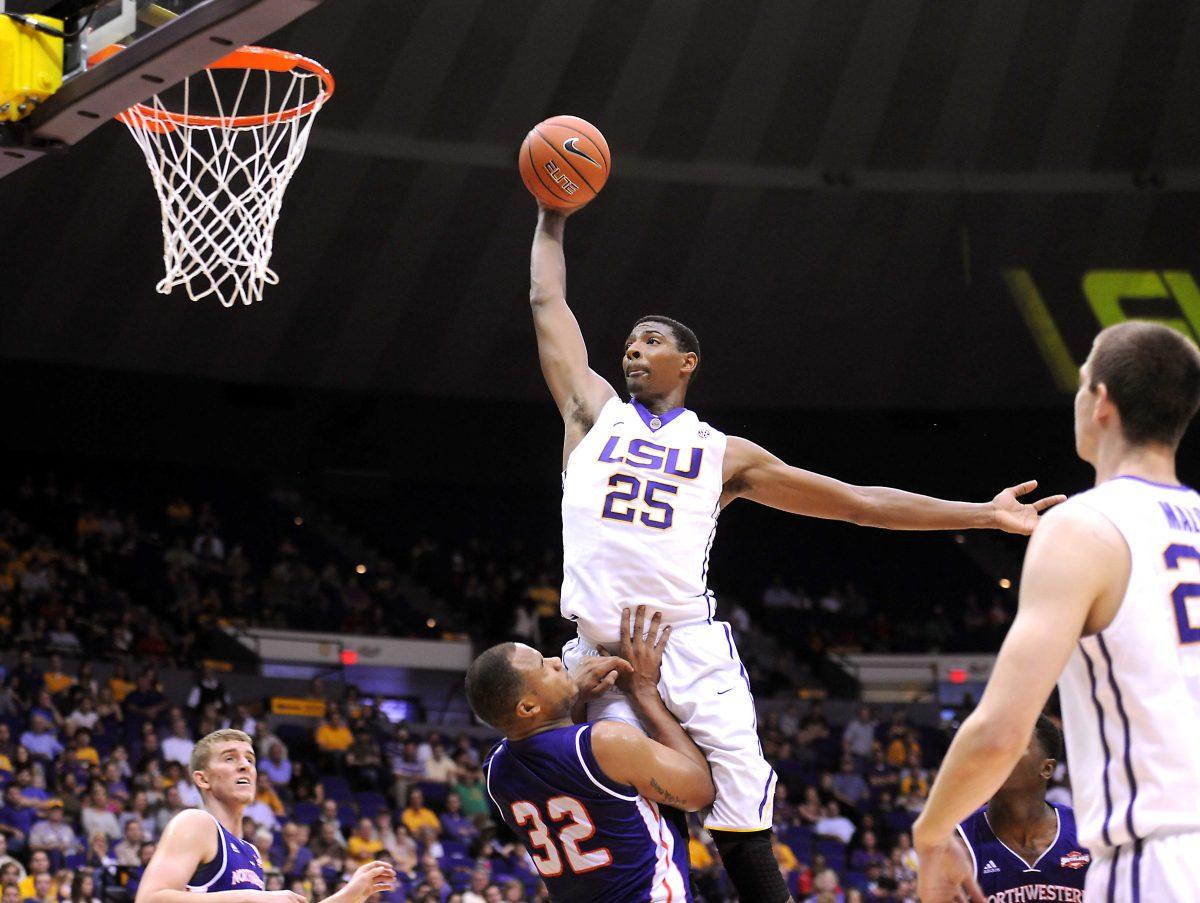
(579, 827)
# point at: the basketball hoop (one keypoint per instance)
(220, 177)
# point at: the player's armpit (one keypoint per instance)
(188, 841)
(628, 756)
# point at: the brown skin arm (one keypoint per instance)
(578, 390)
(752, 472)
(666, 766)
(594, 677)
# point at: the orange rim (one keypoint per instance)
(263, 59)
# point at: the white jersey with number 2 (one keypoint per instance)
(1131, 693)
(641, 496)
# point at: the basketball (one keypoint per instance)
(564, 162)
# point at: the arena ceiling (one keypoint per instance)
(855, 204)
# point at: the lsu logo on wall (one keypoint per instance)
(1170, 297)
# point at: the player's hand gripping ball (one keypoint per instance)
(564, 162)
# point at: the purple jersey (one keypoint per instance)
(1004, 877)
(236, 866)
(589, 837)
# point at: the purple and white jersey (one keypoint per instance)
(1131, 693)
(589, 837)
(1004, 877)
(236, 866)
(641, 496)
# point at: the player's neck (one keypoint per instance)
(541, 728)
(1155, 463)
(661, 404)
(1020, 817)
(229, 815)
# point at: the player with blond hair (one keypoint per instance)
(203, 851)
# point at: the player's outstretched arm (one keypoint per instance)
(665, 766)
(578, 390)
(188, 841)
(1077, 565)
(752, 472)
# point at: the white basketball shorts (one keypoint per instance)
(1165, 868)
(705, 686)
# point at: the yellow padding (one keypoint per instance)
(31, 64)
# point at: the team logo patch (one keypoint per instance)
(1074, 860)
(991, 868)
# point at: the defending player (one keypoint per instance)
(1022, 847)
(584, 797)
(202, 850)
(643, 485)
(1110, 600)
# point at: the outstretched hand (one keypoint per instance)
(368, 880)
(1013, 516)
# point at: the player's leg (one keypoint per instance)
(705, 687)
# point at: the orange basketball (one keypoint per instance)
(564, 162)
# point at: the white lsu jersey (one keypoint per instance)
(641, 497)
(1131, 693)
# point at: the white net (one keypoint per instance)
(220, 174)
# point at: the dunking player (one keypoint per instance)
(643, 485)
(1022, 847)
(585, 797)
(202, 850)
(1110, 600)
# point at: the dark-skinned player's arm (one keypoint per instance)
(752, 472)
(190, 840)
(1075, 560)
(578, 390)
(594, 677)
(665, 766)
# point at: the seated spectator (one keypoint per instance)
(403, 850)
(263, 838)
(172, 806)
(914, 784)
(407, 768)
(440, 767)
(810, 810)
(96, 817)
(42, 889)
(292, 854)
(39, 868)
(429, 844)
(17, 815)
(189, 794)
(868, 854)
(208, 689)
(56, 680)
(40, 739)
(83, 887)
(119, 685)
(849, 786)
(277, 766)
(84, 714)
(242, 721)
(145, 704)
(82, 749)
(455, 823)
(6, 859)
(329, 844)
(52, 832)
(10, 894)
(471, 790)
(904, 860)
(834, 824)
(128, 850)
(333, 738)
(480, 879)
(363, 845)
(788, 864)
(139, 809)
(416, 815)
(859, 736)
(364, 761)
(178, 747)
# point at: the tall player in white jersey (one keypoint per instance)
(643, 485)
(1110, 608)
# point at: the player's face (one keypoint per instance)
(1085, 405)
(231, 774)
(547, 682)
(1032, 770)
(652, 363)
